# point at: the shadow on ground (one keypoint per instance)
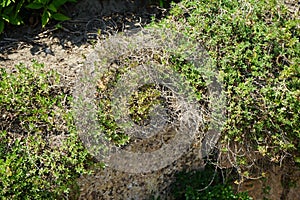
(90, 20)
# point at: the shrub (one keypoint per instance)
(255, 46)
(40, 153)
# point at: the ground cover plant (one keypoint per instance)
(40, 153)
(255, 46)
(142, 101)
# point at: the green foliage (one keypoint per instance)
(49, 9)
(9, 12)
(141, 103)
(204, 185)
(106, 120)
(255, 46)
(40, 153)
(12, 11)
(191, 75)
(163, 3)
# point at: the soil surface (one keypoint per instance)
(65, 46)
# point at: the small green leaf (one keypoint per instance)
(58, 26)
(19, 6)
(35, 6)
(60, 17)
(5, 3)
(58, 3)
(45, 18)
(52, 7)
